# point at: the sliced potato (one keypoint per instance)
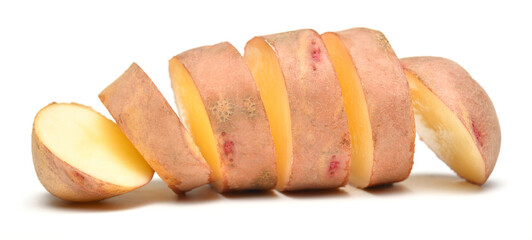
(377, 101)
(80, 155)
(149, 122)
(303, 101)
(220, 104)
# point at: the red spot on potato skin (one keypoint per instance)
(228, 147)
(316, 54)
(223, 134)
(334, 165)
(478, 134)
(78, 176)
(314, 68)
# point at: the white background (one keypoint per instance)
(68, 52)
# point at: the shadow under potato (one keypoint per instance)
(250, 194)
(317, 193)
(444, 183)
(154, 192)
(201, 194)
(157, 192)
(387, 189)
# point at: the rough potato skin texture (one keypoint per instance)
(149, 122)
(237, 117)
(466, 98)
(67, 182)
(387, 96)
(320, 132)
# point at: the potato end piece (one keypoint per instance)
(455, 116)
(149, 122)
(66, 181)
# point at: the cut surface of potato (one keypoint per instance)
(444, 132)
(270, 81)
(80, 155)
(376, 97)
(195, 116)
(149, 122)
(304, 105)
(216, 95)
(356, 109)
(454, 116)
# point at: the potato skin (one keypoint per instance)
(388, 100)
(67, 182)
(236, 114)
(453, 85)
(149, 122)
(320, 132)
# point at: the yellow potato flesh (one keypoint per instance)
(356, 110)
(194, 116)
(91, 143)
(269, 78)
(444, 133)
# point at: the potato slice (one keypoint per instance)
(220, 104)
(147, 119)
(80, 155)
(454, 116)
(303, 101)
(377, 102)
